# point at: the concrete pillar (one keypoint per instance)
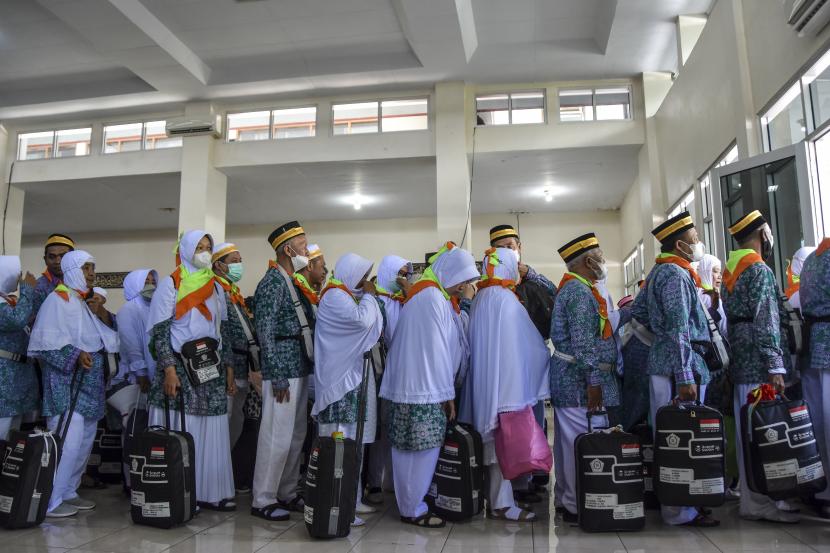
(452, 165)
(11, 223)
(689, 28)
(203, 191)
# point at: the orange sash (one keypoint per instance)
(233, 292)
(331, 285)
(309, 294)
(195, 299)
(682, 263)
(823, 247)
(422, 285)
(747, 261)
(602, 307)
(793, 283)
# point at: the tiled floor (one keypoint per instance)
(109, 529)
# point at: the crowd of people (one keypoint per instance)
(455, 342)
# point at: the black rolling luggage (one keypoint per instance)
(781, 456)
(457, 489)
(332, 475)
(136, 425)
(689, 456)
(609, 480)
(105, 459)
(646, 435)
(30, 462)
(162, 474)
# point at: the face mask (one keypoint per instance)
(698, 251)
(299, 262)
(600, 270)
(202, 260)
(394, 287)
(148, 291)
(235, 272)
(767, 244)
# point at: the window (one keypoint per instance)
(731, 156)
(784, 123)
(595, 104)
(134, 137)
(253, 125)
(515, 108)
(358, 118)
(686, 203)
(155, 136)
(294, 122)
(403, 115)
(634, 269)
(49, 144)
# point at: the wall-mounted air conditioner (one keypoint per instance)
(809, 17)
(184, 126)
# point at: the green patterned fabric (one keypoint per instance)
(342, 411)
(414, 427)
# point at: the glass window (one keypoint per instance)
(358, 118)
(403, 115)
(493, 109)
(686, 203)
(784, 123)
(527, 107)
(155, 136)
(294, 122)
(822, 209)
(634, 269)
(122, 138)
(576, 105)
(73, 142)
(35, 145)
(253, 125)
(612, 103)
(817, 81)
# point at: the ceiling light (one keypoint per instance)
(548, 195)
(357, 201)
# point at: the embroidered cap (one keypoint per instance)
(744, 226)
(222, 250)
(60, 240)
(673, 227)
(502, 231)
(284, 233)
(314, 251)
(578, 246)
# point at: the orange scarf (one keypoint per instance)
(331, 285)
(793, 282)
(63, 291)
(309, 294)
(823, 247)
(11, 300)
(50, 277)
(233, 292)
(680, 262)
(747, 261)
(196, 299)
(422, 285)
(602, 307)
(397, 296)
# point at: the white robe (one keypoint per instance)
(132, 327)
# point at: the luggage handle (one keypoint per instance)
(677, 402)
(180, 401)
(65, 420)
(591, 414)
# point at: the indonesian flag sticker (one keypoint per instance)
(630, 450)
(157, 453)
(709, 425)
(798, 413)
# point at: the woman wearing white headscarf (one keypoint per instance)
(133, 317)
(392, 286)
(187, 306)
(429, 349)
(67, 337)
(349, 323)
(508, 369)
(18, 383)
(709, 269)
(793, 291)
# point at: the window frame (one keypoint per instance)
(380, 114)
(143, 123)
(684, 200)
(631, 259)
(708, 218)
(55, 131)
(280, 108)
(593, 90)
(509, 95)
(227, 129)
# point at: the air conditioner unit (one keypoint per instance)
(809, 17)
(184, 126)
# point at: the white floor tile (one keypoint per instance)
(61, 536)
(205, 543)
(139, 539)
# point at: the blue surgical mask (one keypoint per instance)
(394, 287)
(235, 272)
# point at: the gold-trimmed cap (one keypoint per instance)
(744, 226)
(285, 232)
(314, 251)
(60, 240)
(222, 250)
(502, 231)
(578, 246)
(676, 225)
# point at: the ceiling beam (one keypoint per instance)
(442, 33)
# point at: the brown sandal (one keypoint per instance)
(524, 515)
(427, 520)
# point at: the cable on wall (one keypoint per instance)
(467, 222)
(6, 206)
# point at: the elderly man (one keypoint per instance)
(583, 361)
(750, 297)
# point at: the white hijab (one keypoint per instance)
(346, 328)
(63, 323)
(705, 267)
(9, 275)
(132, 322)
(796, 265)
(430, 344)
(387, 279)
(509, 361)
(193, 325)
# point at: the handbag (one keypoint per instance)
(201, 360)
(521, 446)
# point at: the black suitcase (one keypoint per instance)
(105, 459)
(162, 474)
(30, 462)
(136, 424)
(609, 480)
(781, 456)
(457, 489)
(646, 435)
(332, 475)
(689, 456)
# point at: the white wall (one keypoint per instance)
(631, 220)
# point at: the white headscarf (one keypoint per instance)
(798, 259)
(134, 283)
(387, 279)
(9, 275)
(193, 325)
(705, 267)
(132, 324)
(509, 361)
(344, 331)
(430, 342)
(100, 291)
(63, 323)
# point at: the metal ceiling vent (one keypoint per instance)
(809, 17)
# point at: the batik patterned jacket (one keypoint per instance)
(59, 366)
(815, 302)
(575, 331)
(235, 341)
(18, 384)
(540, 279)
(46, 284)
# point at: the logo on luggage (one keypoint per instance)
(798, 413)
(135, 465)
(157, 453)
(771, 435)
(597, 465)
(673, 440)
(709, 425)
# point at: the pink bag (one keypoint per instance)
(521, 446)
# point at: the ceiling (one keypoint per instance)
(71, 56)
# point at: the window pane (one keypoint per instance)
(355, 118)
(784, 123)
(706, 190)
(122, 138)
(730, 157)
(73, 142)
(404, 115)
(295, 122)
(576, 105)
(492, 110)
(527, 107)
(248, 126)
(613, 103)
(820, 97)
(35, 145)
(156, 136)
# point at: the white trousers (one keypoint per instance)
(74, 454)
(570, 423)
(500, 491)
(659, 392)
(282, 432)
(816, 384)
(236, 410)
(214, 473)
(413, 471)
(7, 424)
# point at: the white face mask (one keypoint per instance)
(202, 260)
(600, 270)
(698, 251)
(299, 262)
(148, 291)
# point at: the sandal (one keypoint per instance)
(296, 505)
(373, 496)
(702, 521)
(505, 514)
(226, 505)
(427, 520)
(268, 513)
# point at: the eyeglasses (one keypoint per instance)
(405, 275)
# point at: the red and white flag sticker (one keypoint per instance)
(800, 412)
(630, 449)
(710, 425)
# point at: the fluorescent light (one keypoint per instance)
(548, 196)
(357, 201)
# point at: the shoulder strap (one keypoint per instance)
(253, 345)
(305, 328)
(643, 334)
(716, 338)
